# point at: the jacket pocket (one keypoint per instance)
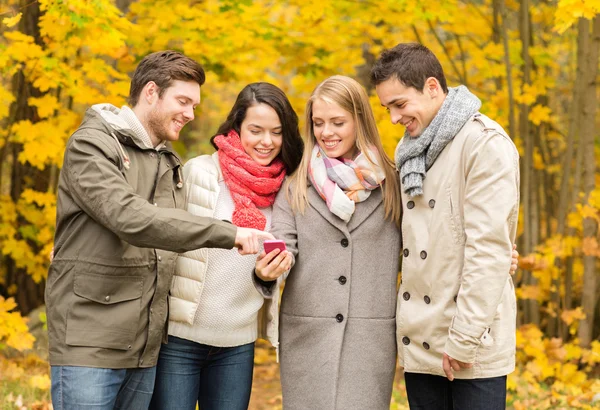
(105, 312)
(456, 222)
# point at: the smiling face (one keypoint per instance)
(168, 114)
(261, 134)
(410, 107)
(334, 129)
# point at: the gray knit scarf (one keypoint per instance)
(414, 156)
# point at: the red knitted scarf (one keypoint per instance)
(251, 185)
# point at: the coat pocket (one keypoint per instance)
(456, 222)
(105, 312)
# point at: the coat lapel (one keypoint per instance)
(361, 213)
(365, 209)
(321, 207)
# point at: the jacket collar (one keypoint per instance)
(215, 158)
(361, 213)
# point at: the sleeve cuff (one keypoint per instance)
(265, 288)
(464, 340)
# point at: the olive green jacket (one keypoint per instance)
(117, 238)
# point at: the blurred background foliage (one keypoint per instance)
(533, 63)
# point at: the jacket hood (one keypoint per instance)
(105, 117)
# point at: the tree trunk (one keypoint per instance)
(512, 129)
(29, 294)
(564, 205)
(590, 227)
(529, 192)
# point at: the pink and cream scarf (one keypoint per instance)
(251, 185)
(343, 182)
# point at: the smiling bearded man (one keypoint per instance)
(117, 238)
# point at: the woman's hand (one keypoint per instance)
(270, 266)
(515, 260)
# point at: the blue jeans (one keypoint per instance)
(430, 392)
(91, 388)
(218, 378)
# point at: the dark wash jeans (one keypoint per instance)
(218, 378)
(430, 392)
(90, 388)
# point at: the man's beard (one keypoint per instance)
(158, 124)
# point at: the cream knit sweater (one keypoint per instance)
(227, 311)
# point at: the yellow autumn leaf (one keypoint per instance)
(539, 114)
(592, 356)
(569, 316)
(41, 382)
(45, 105)
(11, 370)
(594, 199)
(573, 352)
(12, 21)
(528, 292)
(569, 373)
(511, 381)
(538, 160)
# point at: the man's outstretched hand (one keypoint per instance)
(247, 240)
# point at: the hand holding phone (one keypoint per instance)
(270, 269)
(273, 244)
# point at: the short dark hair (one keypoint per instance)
(409, 63)
(264, 93)
(164, 67)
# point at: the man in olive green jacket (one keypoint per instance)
(120, 225)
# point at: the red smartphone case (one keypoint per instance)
(274, 244)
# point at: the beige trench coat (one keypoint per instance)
(456, 294)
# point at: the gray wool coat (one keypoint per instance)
(337, 323)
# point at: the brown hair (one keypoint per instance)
(163, 67)
(266, 93)
(352, 97)
(409, 63)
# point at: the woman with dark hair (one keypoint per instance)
(218, 304)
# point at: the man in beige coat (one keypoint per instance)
(460, 193)
(120, 225)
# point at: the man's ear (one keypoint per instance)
(150, 92)
(432, 87)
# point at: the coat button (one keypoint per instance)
(152, 155)
(344, 243)
(107, 298)
(423, 255)
(141, 362)
(159, 258)
(426, 345)
(339, 318)
(410, 204)
(129, 347)
(406, 295)
(342, 280)
(432, 203)
(155, 204)
(405, 253)
(406, 340)
(427, 299)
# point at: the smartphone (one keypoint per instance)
(274, 244)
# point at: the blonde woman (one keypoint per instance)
(339, 216)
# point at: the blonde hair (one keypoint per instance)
(352, 97)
